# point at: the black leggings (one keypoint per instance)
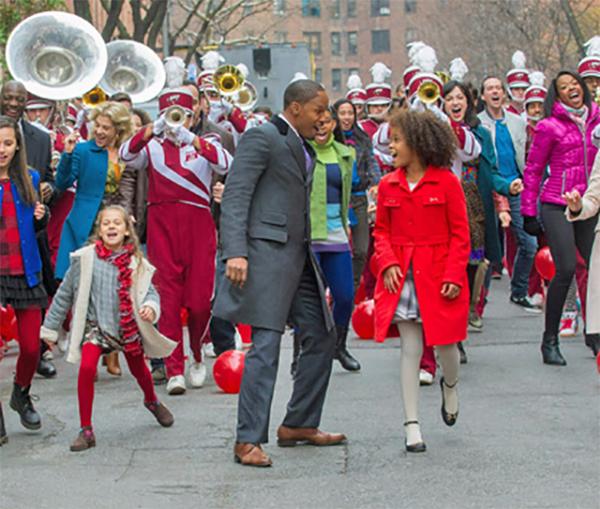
(564, 239)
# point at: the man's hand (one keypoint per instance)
(450, 291)
(46, 191)
(236, 271)
(217, 192)
(147, 314)
(516, 187)
(574, 201)
(391, 278)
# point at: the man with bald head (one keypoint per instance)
(38, 148)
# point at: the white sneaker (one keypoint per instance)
(197, 374)
(425, 377)
(537, 299)
(208, 349)
(569, 324)
(176, 385)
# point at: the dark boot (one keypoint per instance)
(592, 341)
(20, 402)
(463, 354)
(550, 351)
(342, 354)
(3, 437)
(45, 368)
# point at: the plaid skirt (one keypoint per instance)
(15, 291)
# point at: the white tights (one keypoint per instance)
(411, 336)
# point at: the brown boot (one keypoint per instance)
(290, 437)
(112, 363)
(84, 440)
(251, 455)
(161, 412)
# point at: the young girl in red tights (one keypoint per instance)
(109, 286)
(21, 215)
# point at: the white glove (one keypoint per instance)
(184, 136)
(227, 106)
(159, 126)
(437, 111)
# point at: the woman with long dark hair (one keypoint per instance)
(475, 165)
(365, 177)
(21, 215)
(566, 141)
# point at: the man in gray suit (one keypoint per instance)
(272, 277)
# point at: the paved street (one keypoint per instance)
(527, 437)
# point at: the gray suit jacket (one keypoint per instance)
(265, 218)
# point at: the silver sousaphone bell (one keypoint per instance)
(56, 55)
(133, 68)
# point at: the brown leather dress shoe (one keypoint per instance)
(251, 455)
(84, 440)
(161, 412)
(112, 363)
(290, 437)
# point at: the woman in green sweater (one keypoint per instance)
(329, 203)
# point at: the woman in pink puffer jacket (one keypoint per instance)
(566, 142)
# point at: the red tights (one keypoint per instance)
(29, 322)
(90, 354)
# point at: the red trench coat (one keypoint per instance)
(429, 228)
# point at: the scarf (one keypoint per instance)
(577, 115)
(350, 140)
(121, 260)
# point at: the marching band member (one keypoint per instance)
(181, 232)
(589, 67)
(517, 81)
(357, 95)
(379, 99)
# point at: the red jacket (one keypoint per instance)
(427, 227)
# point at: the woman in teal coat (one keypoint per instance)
(94, 167)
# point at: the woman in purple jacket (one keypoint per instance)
(566, 142)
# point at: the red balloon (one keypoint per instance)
(8, 324)
(363, 319)
(228, 370)
(544, 264)
(245, 332)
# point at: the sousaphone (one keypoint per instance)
(56, 55)
(133, 68)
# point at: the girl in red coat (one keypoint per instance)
(421, 253)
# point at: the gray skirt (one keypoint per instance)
(408, 305)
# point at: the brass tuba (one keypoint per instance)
(228, 79)
(56, 55)
(246, 97)
(135, 69)
(94, 97)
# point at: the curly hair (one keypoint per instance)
(432, 140)
(119, 115)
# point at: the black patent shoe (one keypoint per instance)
(449, 419)
(348, 362)
(46, 369)
(419, 446)
(550, 351)
(20, 402)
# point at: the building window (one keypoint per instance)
(352, 43)
(279, 7)
(336, 80)
(380, 8)
(336, 8)
(318, 75)
(353, 70)
(351, 8)
(410, 35)
(336, 43)
(311, 8)
(380, 41)
(281, 36)
(410, 6)
(313, 39)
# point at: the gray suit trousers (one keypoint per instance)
(312, 376)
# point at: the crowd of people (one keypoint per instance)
(112, 223)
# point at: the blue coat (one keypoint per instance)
(488, 180)
(32, 262)
(88, 165)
